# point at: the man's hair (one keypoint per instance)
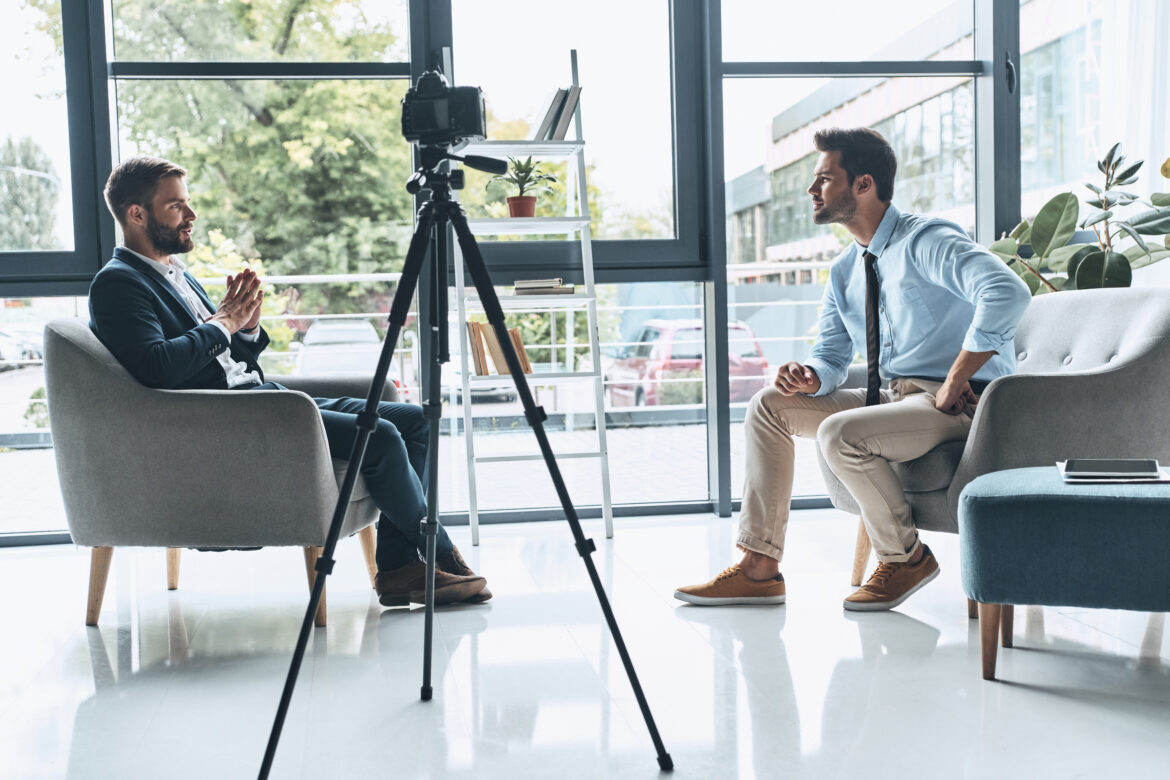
(135, 181)
(862, 151)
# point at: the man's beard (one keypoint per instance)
(842, 210)
(167, 239)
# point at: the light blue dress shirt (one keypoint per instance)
(940, 293)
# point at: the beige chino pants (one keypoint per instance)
(859, 444)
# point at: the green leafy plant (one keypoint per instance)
(1106, 263)
(526, 176)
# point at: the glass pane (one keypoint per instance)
(293, 177)
(778, 258)
(32, 497)
(849, 30)
(35, 194)
(626, 111)
(653, 404)
(261, 30)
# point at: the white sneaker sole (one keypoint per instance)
(881, 606)
(707, 601)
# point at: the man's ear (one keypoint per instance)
(136, 214)
(863, 183)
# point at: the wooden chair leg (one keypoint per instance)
(173, 567)
(311, 556)
(860, 553)
(972, 609)
(989, 619)
(99, 572)
(369, 545)
(1006, 626)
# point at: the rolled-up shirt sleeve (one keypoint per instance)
(833, 351)
(953, 261)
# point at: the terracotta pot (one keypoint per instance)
(522, 206)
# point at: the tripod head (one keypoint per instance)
(430, 175)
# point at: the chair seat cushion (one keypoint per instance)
(933, 471)
(1027, 537)
(340, 467)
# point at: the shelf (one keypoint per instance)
(515, 458)
(536, 301)
(519, 226)
(538, 379)
(544, 149)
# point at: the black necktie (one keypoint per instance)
(872, 331)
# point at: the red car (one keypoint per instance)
(673, 350)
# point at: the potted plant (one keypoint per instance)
(1105, 262)
(527, 178)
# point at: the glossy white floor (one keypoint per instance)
(184, 684)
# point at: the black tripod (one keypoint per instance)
(433, 218)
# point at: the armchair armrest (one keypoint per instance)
(335, 386)
(1037, 419)
(198, 467)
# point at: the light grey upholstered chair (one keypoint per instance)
(1092, 381)
(192, 468)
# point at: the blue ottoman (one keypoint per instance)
(1027, 537)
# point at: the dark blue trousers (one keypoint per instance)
(394, 470)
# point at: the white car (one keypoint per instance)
(344, 347)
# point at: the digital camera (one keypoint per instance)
(437, 114)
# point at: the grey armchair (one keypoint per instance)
(1092, 380)
(192, 468)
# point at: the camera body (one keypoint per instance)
(437, 114)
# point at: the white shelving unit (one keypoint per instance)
(574, 225)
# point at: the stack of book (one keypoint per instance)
(484, 343)
(555, 286)
(559, 115)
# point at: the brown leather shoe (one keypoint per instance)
(892, 583)
(454, 564)
(405, 585)
(732, 586)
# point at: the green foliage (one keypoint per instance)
(37, 413)
(1104, 264)
(526, 176)
(29, 189)
(677, 393)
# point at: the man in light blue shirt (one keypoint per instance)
(935, 320)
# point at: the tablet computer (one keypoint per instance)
(1112, 468)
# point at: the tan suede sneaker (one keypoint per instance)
(732, 586)
(892, 583)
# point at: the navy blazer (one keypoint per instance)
(144, 322)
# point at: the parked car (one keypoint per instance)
(673, 349)
(345, 347)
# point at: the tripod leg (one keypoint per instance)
(366, 422)
(536, 417)
(433, 411)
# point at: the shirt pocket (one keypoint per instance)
(914, 311)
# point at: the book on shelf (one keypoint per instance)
(560, 289)
(493, 347)
(548, 124)
(566, 115)
(521, 353)
(475, 339)
(523, 284)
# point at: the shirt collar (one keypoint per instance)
(176, 266)
(882, 235)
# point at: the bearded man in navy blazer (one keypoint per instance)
(162, 326)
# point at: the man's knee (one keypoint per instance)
(771, 407)
(833, 435)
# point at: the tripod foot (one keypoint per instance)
(665, 763)
(426, 693)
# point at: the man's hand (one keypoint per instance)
(793, 378)
(240, 307)
(952, 397)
